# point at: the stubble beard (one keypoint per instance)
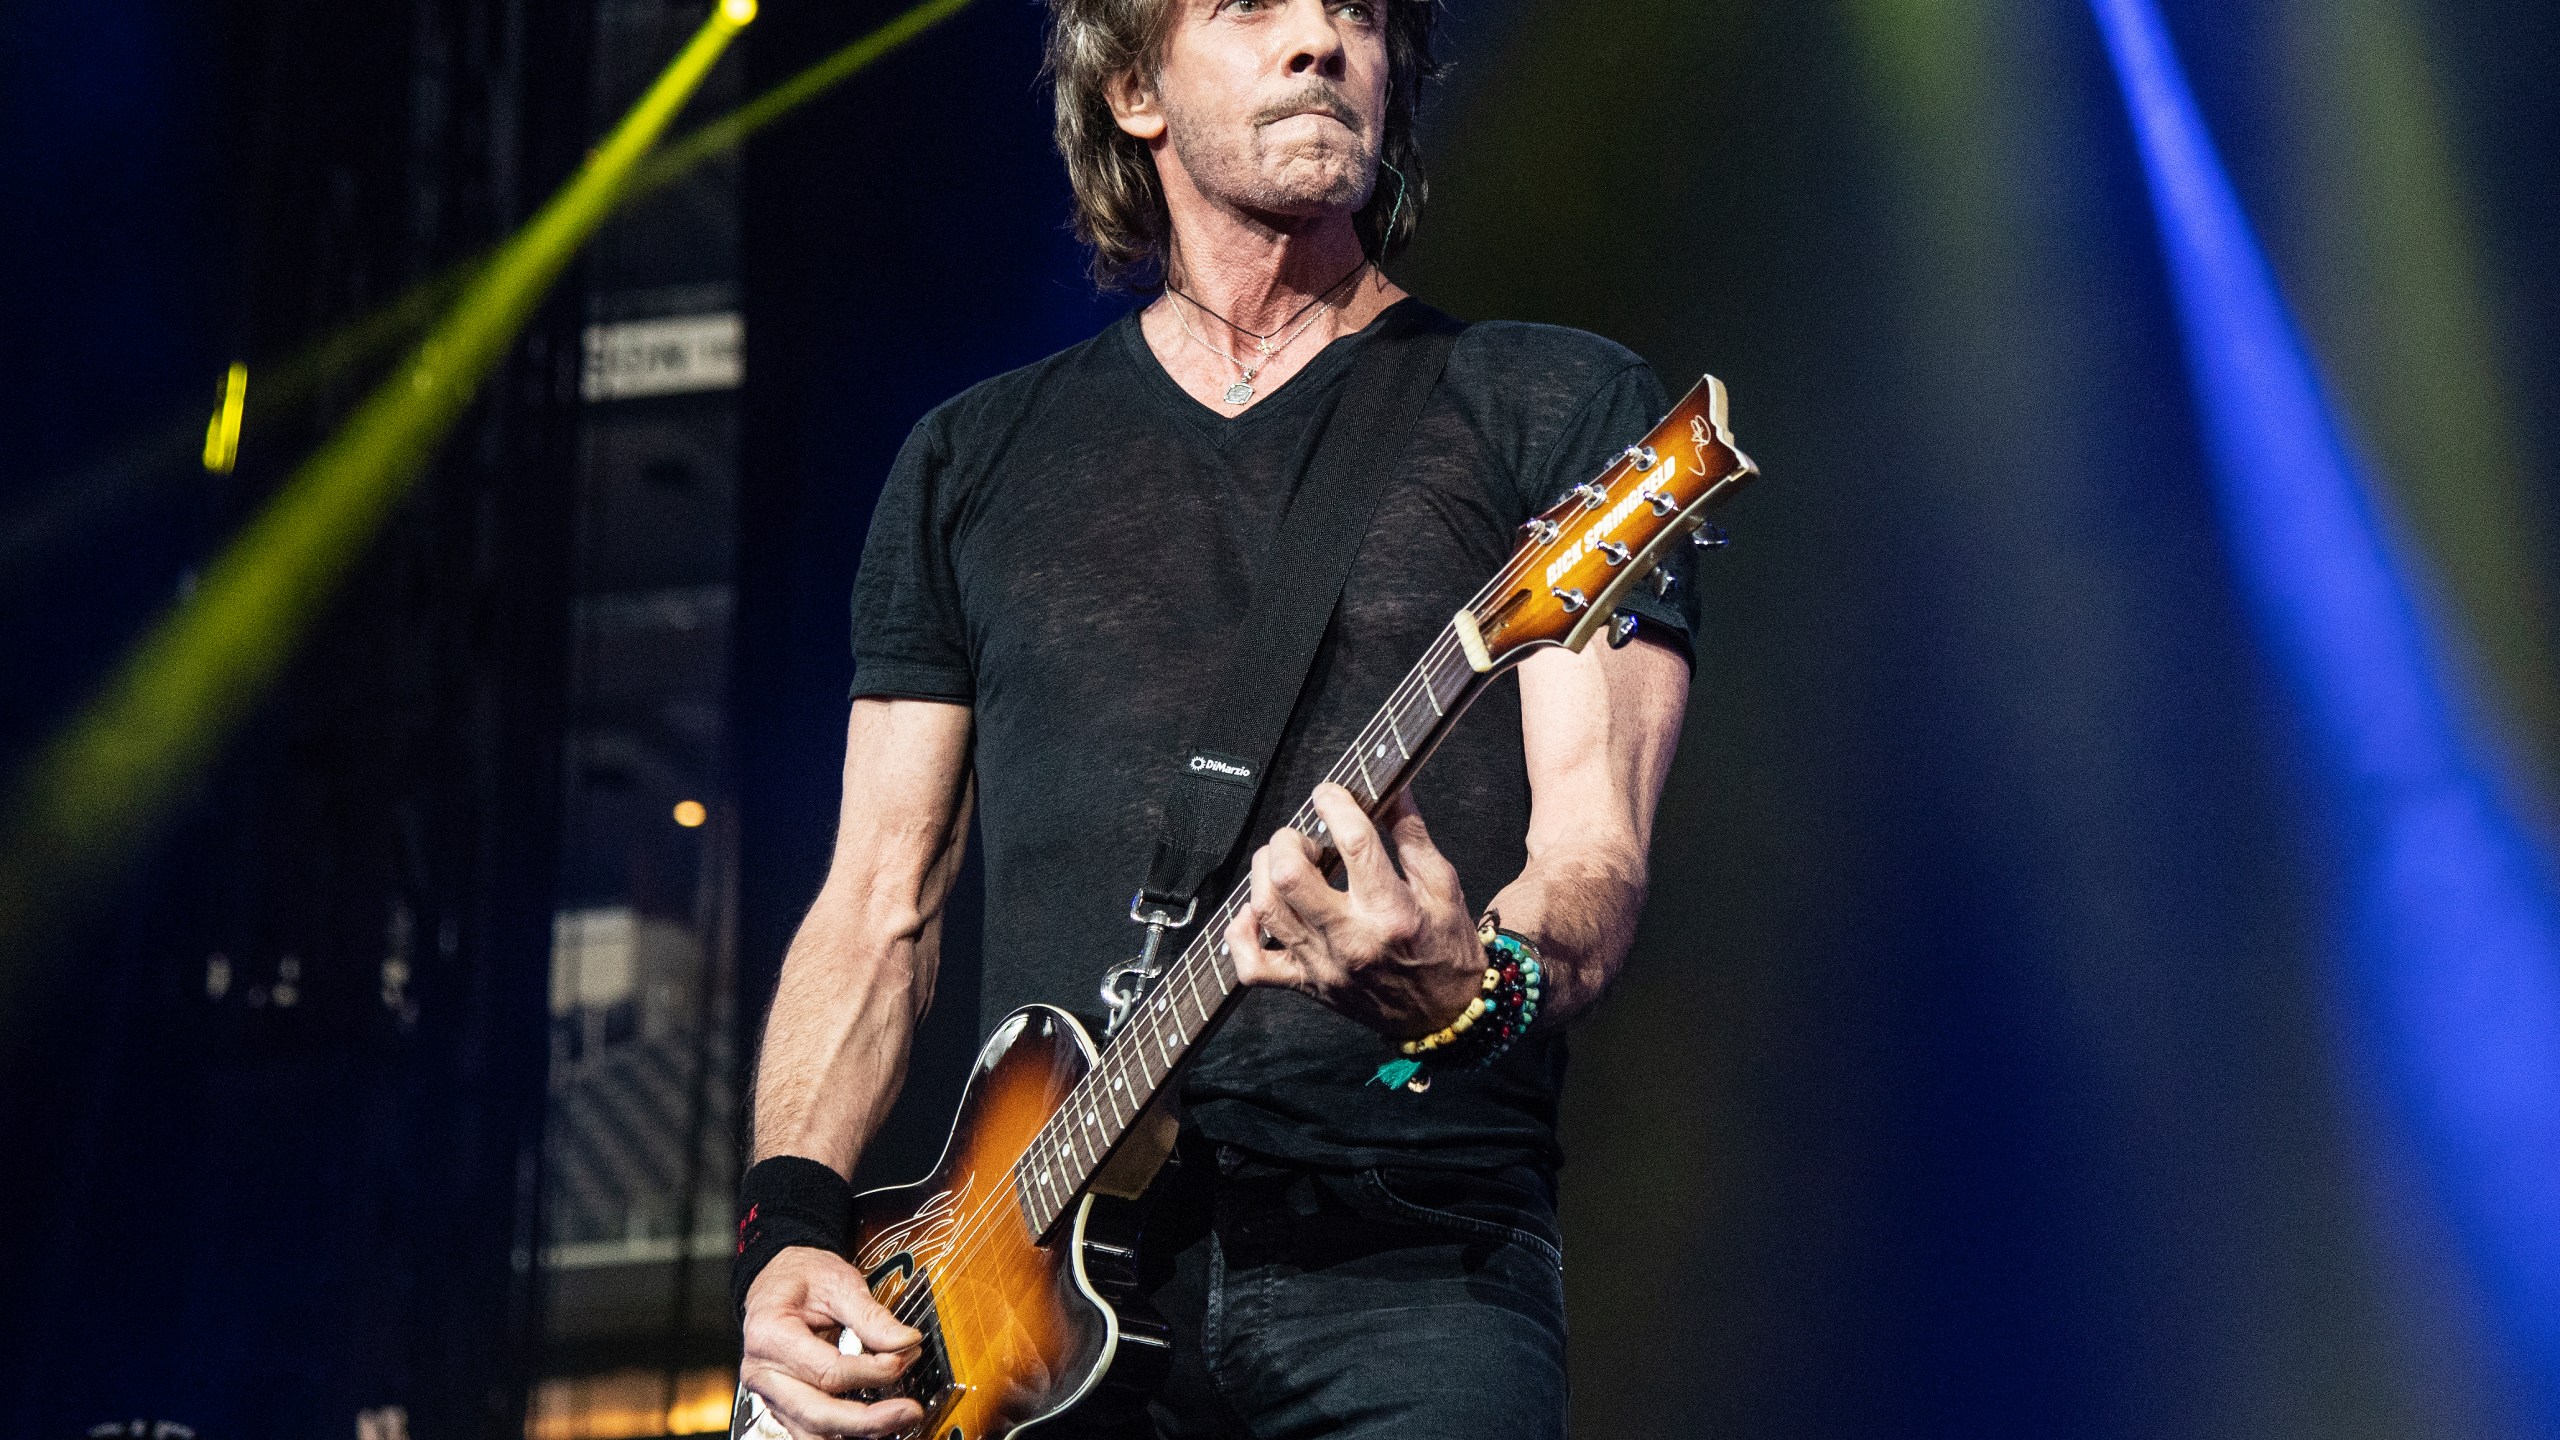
(1240, 164)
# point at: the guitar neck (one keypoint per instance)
(1560, 586)
(1187, 998)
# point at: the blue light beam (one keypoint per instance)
(2448, 942)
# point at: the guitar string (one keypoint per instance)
(1408, 695)
(1398, 700)
(1354, 762)
(966, 1246)
(974, 1228)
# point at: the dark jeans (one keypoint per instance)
(1417, 1305)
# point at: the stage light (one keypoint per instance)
(690, 814)
(729, 131)
(101, 784)
(738, 12)
(78, 500)
(222, 432)
(2446, 945)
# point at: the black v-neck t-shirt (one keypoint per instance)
(1069, 548)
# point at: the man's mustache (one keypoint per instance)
(1313, 97)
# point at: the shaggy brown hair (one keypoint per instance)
(1120, 209)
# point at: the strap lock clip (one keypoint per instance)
(1123, 988)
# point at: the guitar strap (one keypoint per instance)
(1297, 587)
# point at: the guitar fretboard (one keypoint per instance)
(1574, 560)
(1187, 997)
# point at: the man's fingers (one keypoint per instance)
(1401, 812)
(1258, 964)
(807, 1409)
(809, 1291)
(1364, 859)
(788, 1344)
(1255, 965)
(1296, 842)
(849, 1302)
(1280, 893)
(1424, 865)
(770, 1422)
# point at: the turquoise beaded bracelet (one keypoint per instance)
(1514, 983)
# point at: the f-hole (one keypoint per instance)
(900, 1267)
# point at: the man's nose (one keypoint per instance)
(1315, 40)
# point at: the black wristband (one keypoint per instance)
(782, 1202)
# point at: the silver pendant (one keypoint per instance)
(1239, 393)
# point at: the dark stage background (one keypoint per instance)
(2000, 1053)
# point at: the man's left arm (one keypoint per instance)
(1397, 950)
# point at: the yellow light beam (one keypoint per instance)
(78, 501)
(731, 130)
(104, 781)
(222, 432)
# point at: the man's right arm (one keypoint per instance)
(858, 977)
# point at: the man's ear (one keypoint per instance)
(1133, 104)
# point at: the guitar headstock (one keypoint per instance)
(1577, 561)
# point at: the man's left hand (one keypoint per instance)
(1396, 952)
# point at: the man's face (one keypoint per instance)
(1277, 106)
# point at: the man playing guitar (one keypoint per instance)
(1058, 558)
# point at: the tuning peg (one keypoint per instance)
(1615, 553)
(1664, 582)
(1622, 628)
(1710, 537)
(1573, 601)
(1593, 493)
(1541, 531)
(1662, 501)
(1641, 456)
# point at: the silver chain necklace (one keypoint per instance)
(1241, 392)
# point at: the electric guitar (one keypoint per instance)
(1020, 1284)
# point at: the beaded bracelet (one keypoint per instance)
(1514, 982)
(1450, 1033)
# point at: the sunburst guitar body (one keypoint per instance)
(1016, 1331)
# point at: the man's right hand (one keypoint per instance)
(804, 1298)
